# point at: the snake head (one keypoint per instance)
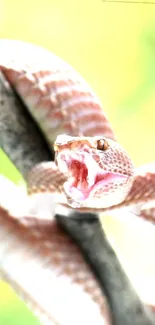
(100, 172)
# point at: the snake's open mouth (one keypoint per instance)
(85, 177)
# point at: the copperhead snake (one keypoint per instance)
(101, 174)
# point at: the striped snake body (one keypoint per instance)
(62, 102)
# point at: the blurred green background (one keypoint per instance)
(113, 46)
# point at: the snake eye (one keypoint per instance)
(102, 144)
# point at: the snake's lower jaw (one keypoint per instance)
(88, 186)
(102, 194)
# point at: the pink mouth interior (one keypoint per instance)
(79, 172)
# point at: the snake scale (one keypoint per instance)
(98, 170)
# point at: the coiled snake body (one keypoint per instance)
(100, 171)
(92, 170)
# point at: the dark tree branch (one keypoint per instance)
(125, 305)
(20, 138)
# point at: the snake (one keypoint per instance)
(91, 169)
(99, 171)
